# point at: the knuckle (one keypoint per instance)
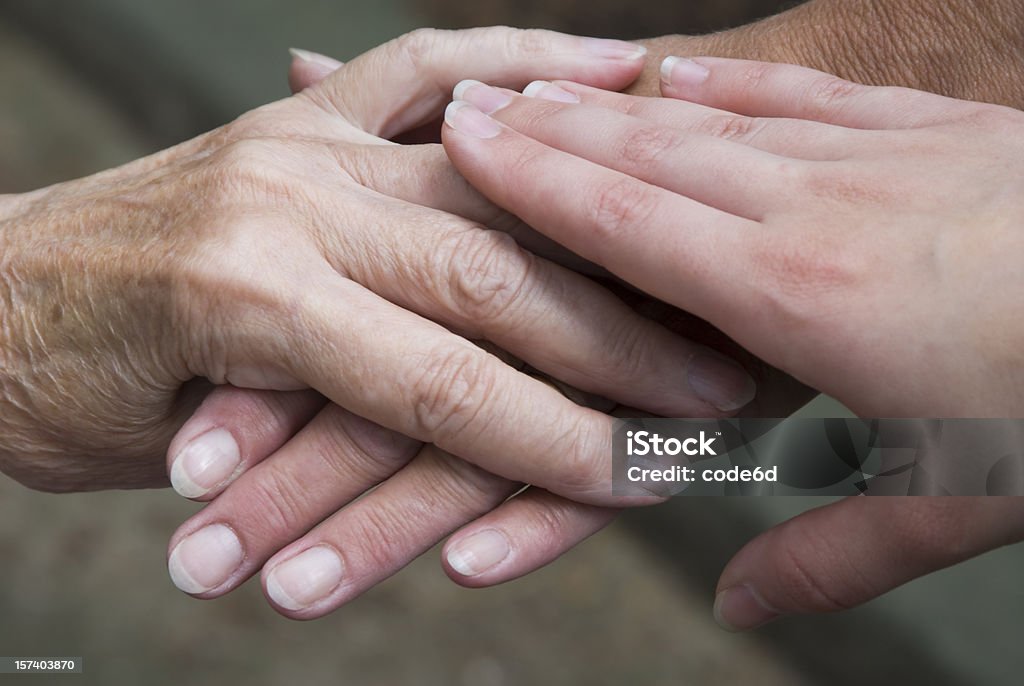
(802, 281)
(541, 116)
(526, 43)
(355, 449)
(629, 350)
(379, 537)
(550, 522)
(637, 107)
(645, 148)
(841, 185)
(619, 207)
(524, 162)
(274, 505)
(831, 92)
(449, 391)
(757, 74)
(247, 171)
(732, 127)
(812, 265)
(454, 483)
(806, 585)
(488, 274)
(266, 121)
(418, 45)
(584, 468)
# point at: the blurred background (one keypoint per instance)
(88, 85)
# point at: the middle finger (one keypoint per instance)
(482, 285)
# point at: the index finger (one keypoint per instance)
(766, 89)
(666, 244)
(412, 376)
(405, 82)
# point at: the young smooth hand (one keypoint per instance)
(866, 240)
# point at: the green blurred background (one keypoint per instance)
(87, 85)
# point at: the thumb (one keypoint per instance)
(309, 68)
(844, 554)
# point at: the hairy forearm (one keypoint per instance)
(968, 49)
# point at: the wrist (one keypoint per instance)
(957, 48)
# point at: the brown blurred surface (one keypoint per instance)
(84, 575)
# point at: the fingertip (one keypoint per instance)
(680, 75)
(472, 559)
(206, 465)
(742, 608)
(615, 50)
(462, 86)
(308, 57)
(307, 68)
(465, 118)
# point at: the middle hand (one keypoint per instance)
(286, 485)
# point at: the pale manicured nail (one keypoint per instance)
(485, 98)
(314, 58)
(548, 91)
(206, 559)
(478, 552)
(720, 382)
(206, 462)
(740, 608)
(301, 581)
(681, 72)
(465, 118)
(614, 49)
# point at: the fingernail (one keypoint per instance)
(314, 58)
(204, 463)
(303, 580)
(549, 91)
(206, 559)
(740, 608)
(478, 552)
(614, 49)
(681, 72)
(720, 382)
(485, 98)
(464, 118)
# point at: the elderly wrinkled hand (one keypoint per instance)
(296, 248)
